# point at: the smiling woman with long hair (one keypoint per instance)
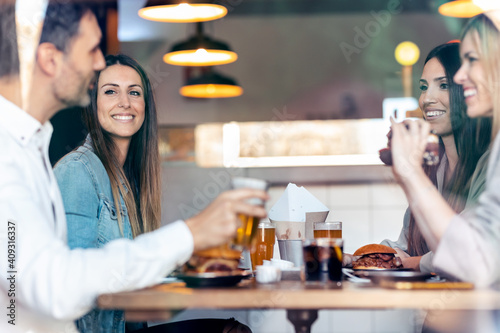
(111, 184)
(466, 246)
(464, 142)
(132, 162)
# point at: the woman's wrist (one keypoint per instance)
(415, 182)
(412, 263)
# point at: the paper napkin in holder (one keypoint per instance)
(293, 215)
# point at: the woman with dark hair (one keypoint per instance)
(124, 135)
(111, 184)
(460, 175)
(466, 245)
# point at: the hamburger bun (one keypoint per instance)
(368, 267)
(223, 252)
(220, 259)
(374, 248)
(376, 256)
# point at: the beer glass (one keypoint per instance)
(246, 232)
(263, 244)
(328, 229)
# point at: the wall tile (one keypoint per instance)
(323, 323)
(344, 196)
(395, 321)
(319, 192)
(387, 195)
(269, 321)
(356, 227)
(351, 321)
(275, 193)
(387, 223)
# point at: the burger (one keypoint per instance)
(220, 259)
(376, 256)
(431, 154)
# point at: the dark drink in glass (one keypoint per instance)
(323, 262)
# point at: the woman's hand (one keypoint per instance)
(348, 259)
(408, 262)
(408, 146)
(218, 223)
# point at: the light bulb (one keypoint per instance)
(407, 53)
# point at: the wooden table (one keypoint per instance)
(302, 304)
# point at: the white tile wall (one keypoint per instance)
(396, 321)
(269, 321)
(348, 196)
(274, 194)
(356, 229)
(386, 223)
(387, 195)
(348, 321)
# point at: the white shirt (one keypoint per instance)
(53, 284)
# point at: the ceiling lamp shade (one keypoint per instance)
(182, 11)
(211, 85)
(460, 8)
(200, 50)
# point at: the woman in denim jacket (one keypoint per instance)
(111, 184)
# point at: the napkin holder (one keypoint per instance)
(290, 235)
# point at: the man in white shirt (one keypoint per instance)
(45, 285)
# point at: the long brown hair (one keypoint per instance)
(472, 139)
(138, 181)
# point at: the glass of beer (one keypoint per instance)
(263, 244)
(328, 229)
(246, 232)
(322, 262)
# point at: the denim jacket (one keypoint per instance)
(92, 221)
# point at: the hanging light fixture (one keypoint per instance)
(211, 84)
(460, 8)
(407, 54)
(200, 50)
(182, 11)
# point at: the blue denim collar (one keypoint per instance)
(88, 145)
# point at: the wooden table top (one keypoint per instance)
(159, 301)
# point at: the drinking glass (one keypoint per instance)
(322, 262)
(246, 232)
(328, 229)
(263, 244)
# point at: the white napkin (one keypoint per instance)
(296, 206)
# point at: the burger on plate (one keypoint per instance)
(376, 256)
(220, 259)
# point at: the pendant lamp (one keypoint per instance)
(182, 11)
(200, 50)
(460, 8)
(211, 85)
